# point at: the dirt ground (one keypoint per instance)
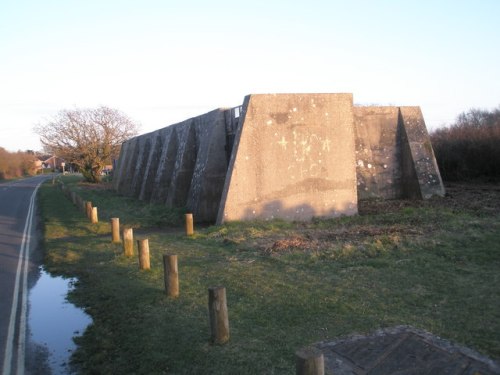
(476, 199)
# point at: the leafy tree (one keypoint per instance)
(87, 138)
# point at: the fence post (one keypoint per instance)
(171, 275)
(88, 207)
(115, 230)
(128, 242)
(217, 308)
(310, 361)
(143, 246)
(94, 218)
(189, 225)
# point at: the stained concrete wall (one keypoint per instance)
(378, 152)
(394, 156)
(183, 165)
(290, 156)
(293, 158)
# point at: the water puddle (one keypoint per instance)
(53, 321)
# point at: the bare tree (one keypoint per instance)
(87, 138)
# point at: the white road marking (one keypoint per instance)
(22, 271)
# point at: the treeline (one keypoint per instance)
(470, 148)
(16, 164)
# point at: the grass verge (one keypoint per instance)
(433, 265)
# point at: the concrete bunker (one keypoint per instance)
(289, 156)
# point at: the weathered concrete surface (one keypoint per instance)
(402, 350)
(418, 156)
(378, 152)
(183, 165)
(289, 156)
(394, 154)
(210, 168)
(293, 158)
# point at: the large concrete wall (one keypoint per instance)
(183, 165)
(290, 156)
(293, 158)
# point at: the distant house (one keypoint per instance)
(108, 169)
(49, 162)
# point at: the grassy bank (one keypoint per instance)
(434, 265)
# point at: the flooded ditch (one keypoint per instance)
(52, 323)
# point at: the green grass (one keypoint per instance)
(288, 284)
(135, 213)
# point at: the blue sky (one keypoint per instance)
(161, 62)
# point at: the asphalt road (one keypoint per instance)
(18, 242)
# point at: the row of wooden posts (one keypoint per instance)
(309, 361)
(217, 301)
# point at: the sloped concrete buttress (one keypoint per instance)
(151, 167)
(211, 165)
(422, 155)
(394, 155)
(166, 165)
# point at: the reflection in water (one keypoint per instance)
(53, 321)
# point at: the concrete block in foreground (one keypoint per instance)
(402, 350)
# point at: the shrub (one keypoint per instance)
(469, 148)
(16, 164)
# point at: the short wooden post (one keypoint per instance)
(310, 361)
(88, 207)
(128, 242)
(189, 225)
(217, 308)
(83, 207)
(171, 275)
(143, 246)
(115, 230)
(94, 218)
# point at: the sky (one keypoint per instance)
(164, 61)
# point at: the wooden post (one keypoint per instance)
(115, 230)
(94, 218)
(217, 308)
(88, 207)
(83, 207)
(189, 225)
(310, 361)
(143, 246)
(171, 275)
(128, 242)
